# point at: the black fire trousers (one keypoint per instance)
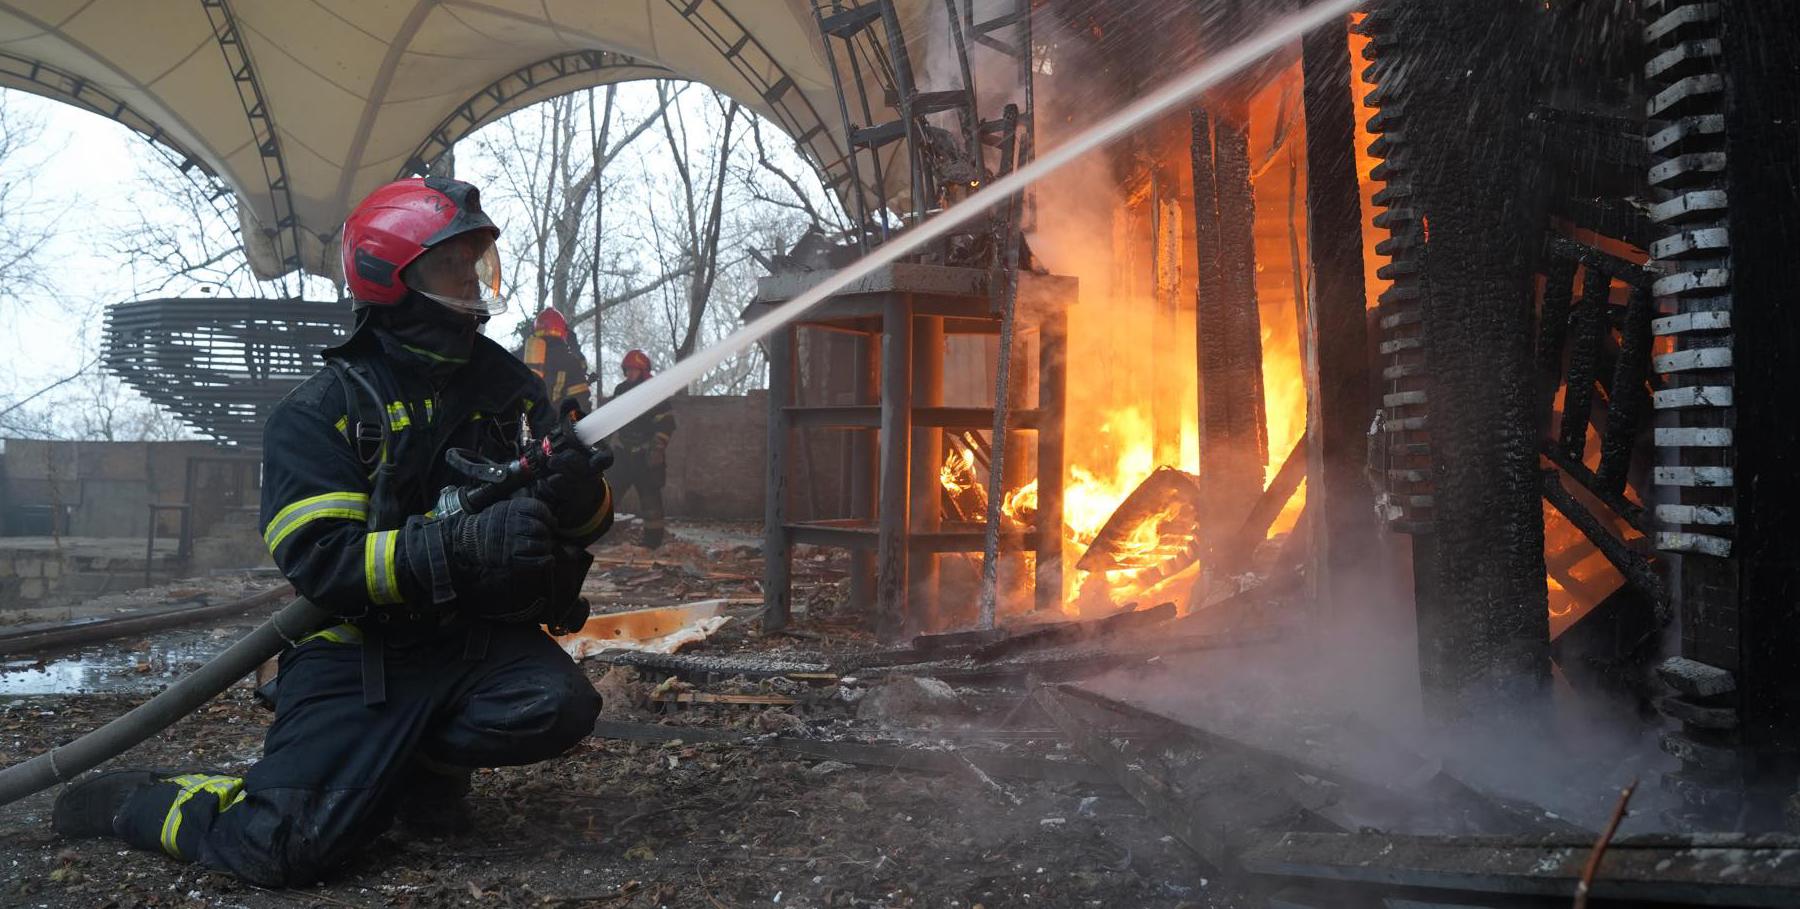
(632, 470)
(334, 770)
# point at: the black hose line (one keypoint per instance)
(62, 764)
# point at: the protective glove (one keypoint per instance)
(658, 456)
(574, 486)
(508, 538)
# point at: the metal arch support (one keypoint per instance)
(69, 88)
(481, 107)
(738, 45)
(262, 126)
(51, 82)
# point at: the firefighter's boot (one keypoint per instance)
(90, 807)
(434, 801)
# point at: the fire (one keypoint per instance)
(1020, 505)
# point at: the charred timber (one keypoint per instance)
(1336, 323)
(1589, 324)
(1634, 567)
(1228, 346)
(1479, 576)
(1630, 395)
(1714, 870)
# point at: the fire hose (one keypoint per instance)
(492, 483)
(302, 617)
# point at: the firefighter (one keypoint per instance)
(642, 449)
(552, 353)
(440, 663)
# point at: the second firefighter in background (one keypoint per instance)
(642, 449)
(554, 356)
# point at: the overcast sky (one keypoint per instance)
(85, 174)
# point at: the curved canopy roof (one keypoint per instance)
(302, 106)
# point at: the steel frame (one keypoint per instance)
(262, 128)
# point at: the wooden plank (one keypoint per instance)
(778, 558)
(1711, 870)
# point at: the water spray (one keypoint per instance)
(299, 617)
(1229, 62)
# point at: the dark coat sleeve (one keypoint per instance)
(315, 507)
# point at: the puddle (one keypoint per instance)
(121, 666)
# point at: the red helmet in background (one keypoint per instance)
(636, 359)
(550, 322)
(397, 223)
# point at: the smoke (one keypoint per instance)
(1343, 690)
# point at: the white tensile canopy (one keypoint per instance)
(303, 106)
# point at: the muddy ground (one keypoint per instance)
(678, 823)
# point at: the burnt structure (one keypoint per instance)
(1646, 393)
(1567, 397)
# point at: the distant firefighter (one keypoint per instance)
(553, 354)
(642, 450)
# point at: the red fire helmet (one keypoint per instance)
(636, 359)
(551, 323)
(397, 223)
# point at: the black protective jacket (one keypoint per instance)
(336, 489)
(648, 432)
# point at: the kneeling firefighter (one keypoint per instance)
(440, 664)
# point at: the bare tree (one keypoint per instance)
(699, 216)
(27, 223)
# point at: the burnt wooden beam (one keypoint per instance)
(1761, 44)
(1073, 632)
(896, 449)
(1255, 528)
(1716, 870)
(1587, 323)
(1484, 635)
(1634, 567)
(1228, 343)
(778, 553)
(1630, 511)
(1336, 327)
(1552, 333)
(1629, 396)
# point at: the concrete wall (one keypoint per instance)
(103, 488)
(716, 458)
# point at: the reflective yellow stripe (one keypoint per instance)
(378, 567)
(398, 418)
(337, 634)
(228, 789)
(342, 424)
(352, 505)
(600, 514)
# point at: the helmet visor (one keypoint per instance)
(449, 274)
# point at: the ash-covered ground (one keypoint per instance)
(677, 823)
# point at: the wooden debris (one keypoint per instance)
(1704, 870)
(1694, 678)
(893, 757)
(1073, 632)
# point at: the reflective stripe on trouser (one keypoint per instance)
(333, 769)
(175, 814)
